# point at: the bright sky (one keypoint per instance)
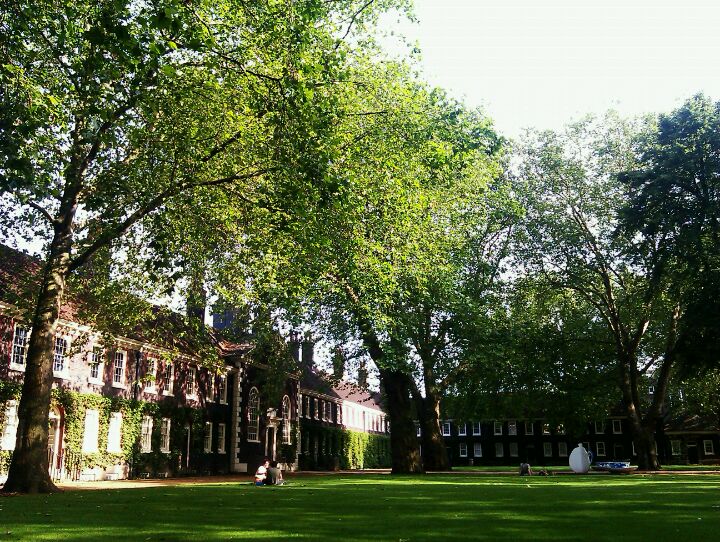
(541, 63)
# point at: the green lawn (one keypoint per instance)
(381, 507)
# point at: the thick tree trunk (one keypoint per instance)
(646, 449)
(29, 469)
(403, 440)
(435, 455)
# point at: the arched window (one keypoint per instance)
(286, 419)
(254, 415)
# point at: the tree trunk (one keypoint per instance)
(29, 469)
(646, 449)
(403, 439)
(435, 455)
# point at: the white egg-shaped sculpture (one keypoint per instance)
(579, 460)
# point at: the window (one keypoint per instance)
(617, 427)
(476, 429)
(651, 390)
(675, 447)
(599, 428)
(165, 436)
(19, 347)
(328, 411)
(286, 420)
(307, 406)
(499, 451)
(477, 449)
(146, 435)
(498, 428)
(9, 433)
(512, 428)
(600, 446)
(546, 428)
(207, 442)
(59, 356)
(169, 379)
(254, 416)
(95, 362)
(222, 389)
(463, 449)
(708, 447)
(633, 448)
(446, 429)
(418, 433)
(462, 430)
(151, 375)
(513, 449)
(221, 438)
(561, 429)
(191, 383)
(90, 434)
(115, 433)
(317, 409)
(562, 449)
(119, 370)
(529, 429)
(547, 449)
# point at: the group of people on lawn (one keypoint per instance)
(269, 474)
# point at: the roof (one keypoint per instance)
(691, 423)
(20, 281)
(342, 390)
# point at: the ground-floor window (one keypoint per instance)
(115, 433)
(165, 435)
(600, 446)
(562, 449)
(463, 449)
(708, 447)
(547, 449)
(11, 424)
(675, 447)
(513, 449)
(146, 434)
(499, 450)
(207, 444)
(221, 438)
(477, 449)
(90, 434)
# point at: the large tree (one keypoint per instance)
(116, 112)
(573, 241)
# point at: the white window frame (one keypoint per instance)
(513, 449)
(96, 362)
(151, 384)
(600, 448)
(477, 449)
(418, 431)
(119, 354)
(708, 447)
(221, 438)
(222, 389)
(90, 431)
(207, 438)
(546, 429)
(529, 428)
(675, 447)
(286, 420)
(512, 428)
(476, 429)
(254, 415)
(561, 429)
(62, 356)
(114, 444)
(18, 354)
(463, 449)
(191, 384)
(462, 430)
(169, 388)
(499, 447)
(165, 425)
(562, 449)
(146, 428)
(445, 429)
(547, 449)
(617, 427)
(600, 427)
(9, 434)
(497, 428)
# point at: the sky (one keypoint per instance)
(542, 63)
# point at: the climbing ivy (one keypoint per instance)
(346, 449)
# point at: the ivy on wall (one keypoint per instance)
(75, 405)
(345, 449)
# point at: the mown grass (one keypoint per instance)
(381, 507)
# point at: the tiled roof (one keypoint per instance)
(327, 384)
(19, 282)
(692, 423)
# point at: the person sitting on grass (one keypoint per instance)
(274, 475)
(261, 473)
